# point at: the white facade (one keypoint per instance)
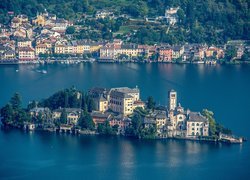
(172, 99)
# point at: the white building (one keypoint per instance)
(172, 95)
(197, 125)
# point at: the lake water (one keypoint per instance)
(223, 89)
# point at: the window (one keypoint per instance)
(197, 124)
(192, 124)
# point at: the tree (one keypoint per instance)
(86, 122)
(63, 117)
(105, 129)
(32, 105)
(7, 114)
(214, 128)
(246, 56)
(16, 101)
(22, 116)
(136, 124)
(70, 30)
(230, 53)
(150, 103)
(212, 124)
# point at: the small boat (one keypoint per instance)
(44, 72)
(17, 70)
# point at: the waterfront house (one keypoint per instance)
(131, 50)
(165, 54)
(9, 54)
(159, 118)
(26, 54)
(197, 125)
(39, 110)
(100, 117)
(29, 126)
(42, 49)
(178, 51)
(214, 52)
(94, 47)
(108, 52)
(83, 46)
(60, 47)
(119, 121)
(73, 115)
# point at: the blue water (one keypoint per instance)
(223, 89)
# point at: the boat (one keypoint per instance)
(44, 72)
(17, 70)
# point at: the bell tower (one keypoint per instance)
(172, 96)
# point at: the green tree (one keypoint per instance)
(16, 101)
(70, 30)
(22, 116)
(32, 105)
(150, 103)
(86, 122)
(63, 117)
(105, 129)
(246, 56)
(136, 122)
(230, 53)
(7, 114)
(212, 124)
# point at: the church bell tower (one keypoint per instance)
(172, 96)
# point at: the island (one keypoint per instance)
(114, 111)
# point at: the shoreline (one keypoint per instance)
(93, 133)
(79, 61)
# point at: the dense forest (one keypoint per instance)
(214, 21)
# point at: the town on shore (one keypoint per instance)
(48, 39)
(114, 111)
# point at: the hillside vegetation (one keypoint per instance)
(212, 21)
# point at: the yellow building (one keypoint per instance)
(95, 47)
(59, 49)
(40, 20)
(9, 54)
(130, 50)
(121, 102)
(72, 115)
(42, 49)
(102, 104)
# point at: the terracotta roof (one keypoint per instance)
(25, 49)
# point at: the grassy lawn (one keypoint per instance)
(124, 29)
